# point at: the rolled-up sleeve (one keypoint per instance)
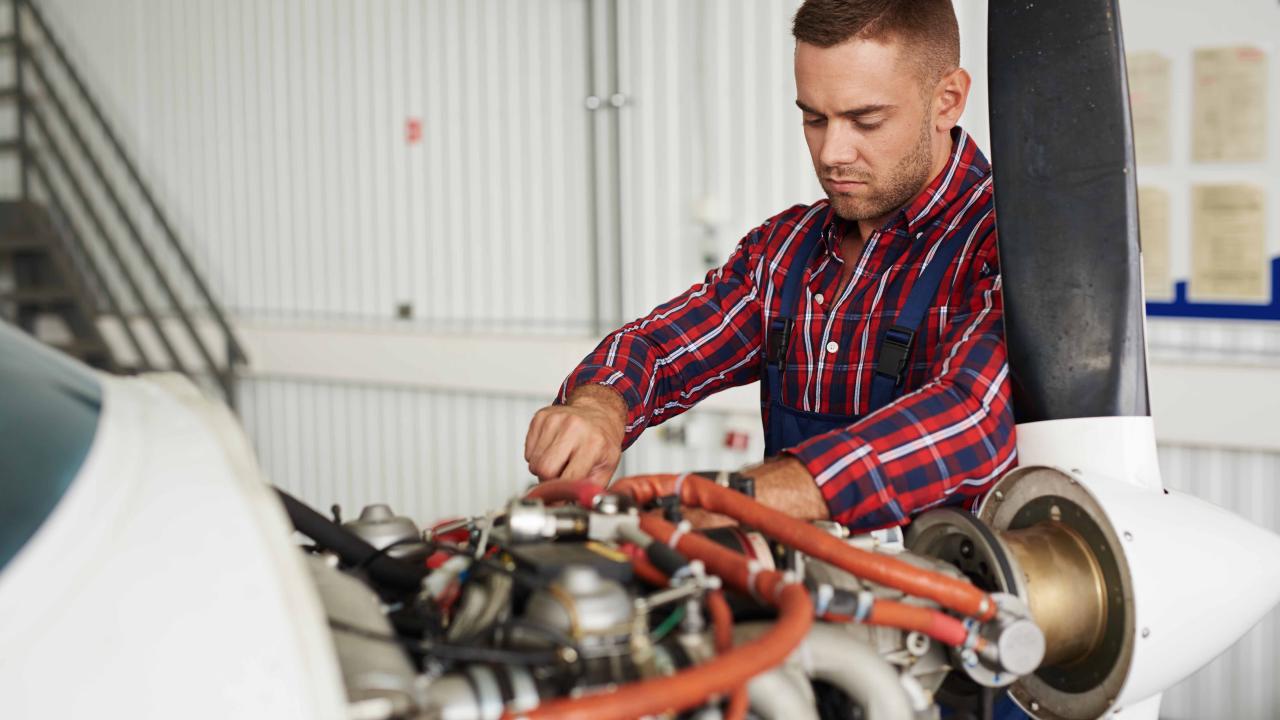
(704, 340)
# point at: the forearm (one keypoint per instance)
(605, 398)
(785, 484)
(697, 343)
(781, 483)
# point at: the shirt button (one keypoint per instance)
(818, 298)
(832, 346)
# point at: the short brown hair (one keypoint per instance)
(928, 27)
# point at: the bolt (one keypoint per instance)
(999, 494)
(568, 655)
(593, 102)
(1128, 535)
(917, 643)
(1146, 632)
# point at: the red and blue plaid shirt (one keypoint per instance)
(947, 436)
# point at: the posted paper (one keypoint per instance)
(1153, 228)
(1229, 100)
(1228, 243)
(1149, 100)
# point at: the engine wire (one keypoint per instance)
(444, 651)
(666, 626)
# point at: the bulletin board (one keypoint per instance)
(1205, 137)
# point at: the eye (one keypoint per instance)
(868, 126)
(814, 120)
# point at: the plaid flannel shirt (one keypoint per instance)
(943, 440)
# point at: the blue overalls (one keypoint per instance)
(789, 426)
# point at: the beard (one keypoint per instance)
(881, 196)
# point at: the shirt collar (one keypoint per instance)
(966, 167)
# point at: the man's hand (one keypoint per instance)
(579, 440)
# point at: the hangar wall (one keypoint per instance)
(339, 163)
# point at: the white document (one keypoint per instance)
(1228, 243)
(1229, 101)
(1153, 228)
(1151, 106)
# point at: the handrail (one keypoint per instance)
(19, 91)
(144, 190)
(29, 162)
(51, 93)
(77, 239)
(82, 196)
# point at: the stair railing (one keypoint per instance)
(37, 51)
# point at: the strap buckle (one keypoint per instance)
(777, 341)
(895, 349)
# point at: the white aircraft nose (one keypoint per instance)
(1184, 580)
(1203, 577)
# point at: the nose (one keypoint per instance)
(839, 145)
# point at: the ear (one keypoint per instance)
(949, 98)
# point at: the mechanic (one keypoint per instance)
(873, 318)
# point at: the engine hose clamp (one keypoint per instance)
(973, 635)
(695, 569)
(823, 599)
(788, 578)
(681, 530)
(680, 484)
(865, 602)
(753, 570)
(670, 507)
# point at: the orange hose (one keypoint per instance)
(941, 627)
(563, 491)
(697, 491)
(936, 625)
(727, 672)
(721, 620)
(645, 570)
(722, 625)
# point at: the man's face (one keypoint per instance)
(868, 123)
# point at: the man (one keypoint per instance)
(872, 319)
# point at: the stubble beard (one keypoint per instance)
(881, 197)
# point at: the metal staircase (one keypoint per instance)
(89, 262)
(46, 294)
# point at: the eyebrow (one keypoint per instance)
(854, 113)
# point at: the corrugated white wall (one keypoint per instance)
(429, 453)
(432, 453)
(278, 134)
(275, 131)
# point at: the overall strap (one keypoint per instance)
(898, 341)
(778, 332)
